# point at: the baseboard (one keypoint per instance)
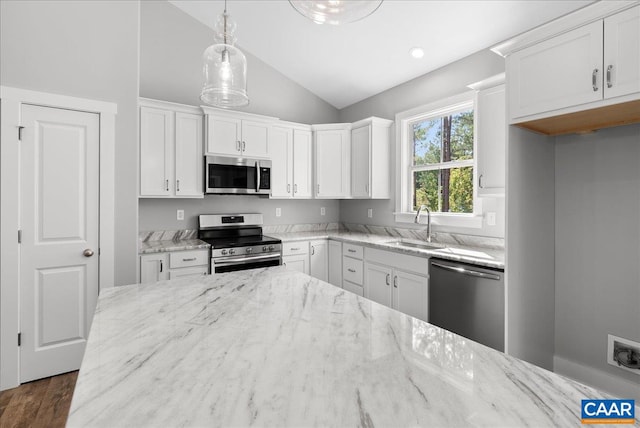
(598, 379)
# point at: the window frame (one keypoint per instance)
(404, 161)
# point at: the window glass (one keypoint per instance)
(448, 190)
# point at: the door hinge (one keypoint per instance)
(19, 339)
(19, 236)
(20, 128)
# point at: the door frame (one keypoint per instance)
(11, 101)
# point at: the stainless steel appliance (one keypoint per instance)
(467, 300)
(237, 242)
(229, 175)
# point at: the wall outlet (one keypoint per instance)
(278, 212)
(491, 219)
(180, 215)
(322, 211)
(370, 213)
(624, 354)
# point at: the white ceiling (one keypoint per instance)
(346, 64)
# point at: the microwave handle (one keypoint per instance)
(257, 176)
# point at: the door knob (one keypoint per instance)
(87, 253)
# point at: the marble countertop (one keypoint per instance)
(273, 347)
(490, 257)
(148, 247)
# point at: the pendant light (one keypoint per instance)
(336, 12)
(225, 68)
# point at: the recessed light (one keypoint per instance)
(416, 52)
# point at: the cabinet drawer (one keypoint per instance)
(294, 248)
(419, 265)
(192, 271)
(351, 250)
(353, 288)
(352, 270)
(180, 259)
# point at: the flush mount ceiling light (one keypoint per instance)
(225, 68)
(416, 52)
(336, 12)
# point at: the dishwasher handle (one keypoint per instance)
(469, 272)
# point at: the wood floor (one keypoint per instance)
(41, 403)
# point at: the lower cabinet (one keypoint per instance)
(397, 281)
(319, 259)
(175, 264)
(352, 268)
(295, 256)
(335, 263)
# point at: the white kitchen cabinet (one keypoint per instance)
(295, 255)
(237, 134)
(352, 268)
(335, 263)
(398, 281)
(591, 63)
(491, 136)
(319, 259)
(370, 159)
(332, 161)
(174, 264)
(170, 150)
(290, 150)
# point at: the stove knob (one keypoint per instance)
(270, 247)
(249, 250)
(232, 251)
(265, 248)
(224, 252)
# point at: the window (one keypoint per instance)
(436, 160)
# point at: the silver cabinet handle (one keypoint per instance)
(177, 185)
(161, 266)
(295, 188)
(166, 185)
(88, 252)
(257, 176)
(295, 249)
(594, 80)
(192, 259)
(238, 145)
(480, 181)
(318, 189)
(313, 250)
(395, 281)
(351, 250)
(609, 84)
(469, 272)
(288, 188)
(244, 146)
(388, 277)
(366, 189)
(351, 270)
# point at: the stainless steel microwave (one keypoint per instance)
(230, 175)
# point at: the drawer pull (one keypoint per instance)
(351, 250)
(395, 282)
(387, 280)
(594, 80)
(351, 270)
(192, 259)
(295, 249)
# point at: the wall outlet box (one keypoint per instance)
(180, 215)
(491, 219)
(322, 211)
(278, 212)
(624, 354)
(370, 213)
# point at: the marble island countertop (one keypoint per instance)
(272, 347)
(490, 257)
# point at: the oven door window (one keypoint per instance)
(231, 177)
(222, 266)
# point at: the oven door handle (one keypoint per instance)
(243, 260)
(257, 176)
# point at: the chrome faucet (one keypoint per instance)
(417, 220)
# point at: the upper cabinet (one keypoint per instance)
(584, 71)
(332, 161)
(237, 134)
(370, 159)
(170, 150)
(290, 150)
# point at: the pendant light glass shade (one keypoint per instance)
(336, 12)
(225, 69)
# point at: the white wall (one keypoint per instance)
(86, 49)
(171, 47)
(597, 276)
(449, 80)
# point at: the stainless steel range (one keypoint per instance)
(237, 242)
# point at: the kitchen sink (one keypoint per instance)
(401, 242)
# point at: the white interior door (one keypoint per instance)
(59, 191)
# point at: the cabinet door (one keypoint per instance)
(299, 263)
(319, 260)
(255, 139)
(377, 283)
(360, 162)
(491, 133)
(622, 53)
(332, 164)
(153, 268)
(302, 151)
(335, 263)
(557, 73)
(410, 294)
(223, 135)
(188, 155)
(156, 142)
(281, 154)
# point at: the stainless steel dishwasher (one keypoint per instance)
(467, 300)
